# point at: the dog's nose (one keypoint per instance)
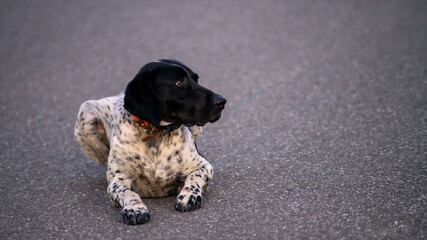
(218, 101)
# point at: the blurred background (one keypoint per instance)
(323, 136)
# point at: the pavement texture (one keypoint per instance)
(323, 136)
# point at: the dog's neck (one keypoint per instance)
(154, 131)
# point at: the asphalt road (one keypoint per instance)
(323, 136)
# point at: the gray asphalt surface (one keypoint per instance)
(323, 136)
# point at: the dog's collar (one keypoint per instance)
(153, 130)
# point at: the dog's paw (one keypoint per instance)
(188, 201)
(135, 214)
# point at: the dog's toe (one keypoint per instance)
(135, 216)
(186, 203)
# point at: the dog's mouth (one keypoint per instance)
(215, 118)
(190, 123)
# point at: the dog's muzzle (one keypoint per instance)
(217, 102)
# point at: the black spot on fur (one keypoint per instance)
(179, 177)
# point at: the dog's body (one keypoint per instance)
(141, 163)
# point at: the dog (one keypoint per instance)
(146, 136)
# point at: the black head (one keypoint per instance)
(168, 91)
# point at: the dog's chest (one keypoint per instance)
(168, 161)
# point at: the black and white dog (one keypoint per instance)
(146, 136)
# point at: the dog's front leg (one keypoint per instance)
(190, 197)
(134, 210)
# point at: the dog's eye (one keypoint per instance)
(179, 83)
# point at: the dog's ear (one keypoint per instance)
(140, 99)
(192, 74)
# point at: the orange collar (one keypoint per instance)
(153, 130)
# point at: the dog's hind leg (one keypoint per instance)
(91, 133)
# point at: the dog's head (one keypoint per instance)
(168, 91)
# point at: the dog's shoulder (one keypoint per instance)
(119, 113)
(122, 125)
